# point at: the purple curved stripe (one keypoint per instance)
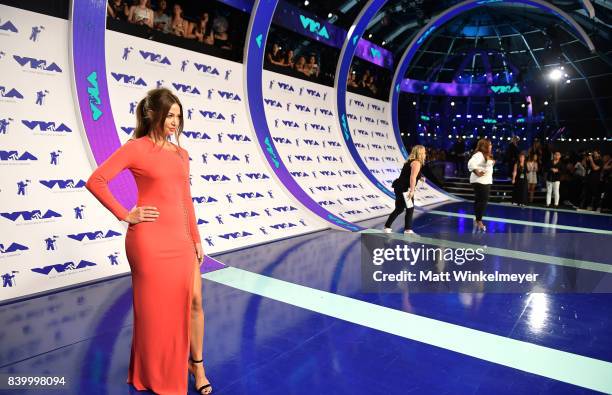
(88, 22)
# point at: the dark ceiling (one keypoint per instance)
(530, 40)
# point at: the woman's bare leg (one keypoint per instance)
(197, 330)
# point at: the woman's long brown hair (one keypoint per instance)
(483, 147)
(151, 115)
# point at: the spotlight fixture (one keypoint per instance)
(384, 42)
(330, 15)
(306, 2)
(555, 74)
(414, 103)
(546, 102)
(453, 103)
(523, 105)
(370, 35)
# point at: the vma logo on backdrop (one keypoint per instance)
(128, 79)
(196, 135)
(10, 93)
(212, 115)
(30, 215)
(8, 27)
(63, 267)
(273, 103)
(285, 86)
(239, 138)
(203, 199)
(206, 70)
(227, 157)
(215, 177)
(16, 156)
(183, 88)
(313, 26)
(155, 58)
(37, 64)
(95, 235)
(229, 96)
(235, 235)
(63, 184)
(13, 247)
(94, 96)
(44, 126)
(250, 195)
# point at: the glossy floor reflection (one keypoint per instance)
(258, 344)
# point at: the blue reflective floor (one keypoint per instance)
(256, 344)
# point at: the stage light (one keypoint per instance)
(523, 105)
(555, 74)
(414, 103)
(546, 102)
(453, 103)
(306, 2)
(568, 81)
(450, 136)
(384, 42)
(370, 35)
(330, 15)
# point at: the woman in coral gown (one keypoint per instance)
(163, 249)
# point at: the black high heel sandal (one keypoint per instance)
(204, 387)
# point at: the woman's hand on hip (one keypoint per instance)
(199, 253)
(142, 214)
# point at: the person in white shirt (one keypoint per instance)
(480, 166)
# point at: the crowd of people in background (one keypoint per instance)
(572, 179)
(212, 31)
(287, 62)
(365, 84)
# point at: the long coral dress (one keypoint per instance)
(161, 255)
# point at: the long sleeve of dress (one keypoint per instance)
(97, 183)
(193, 226)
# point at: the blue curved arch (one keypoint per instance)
(447, 15)
(257, 33)
(342, 72)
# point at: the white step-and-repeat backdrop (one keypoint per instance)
(305, 131)
(53, 233)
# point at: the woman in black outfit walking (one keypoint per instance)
(410, 175)
(480, 166)
(519, 180)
